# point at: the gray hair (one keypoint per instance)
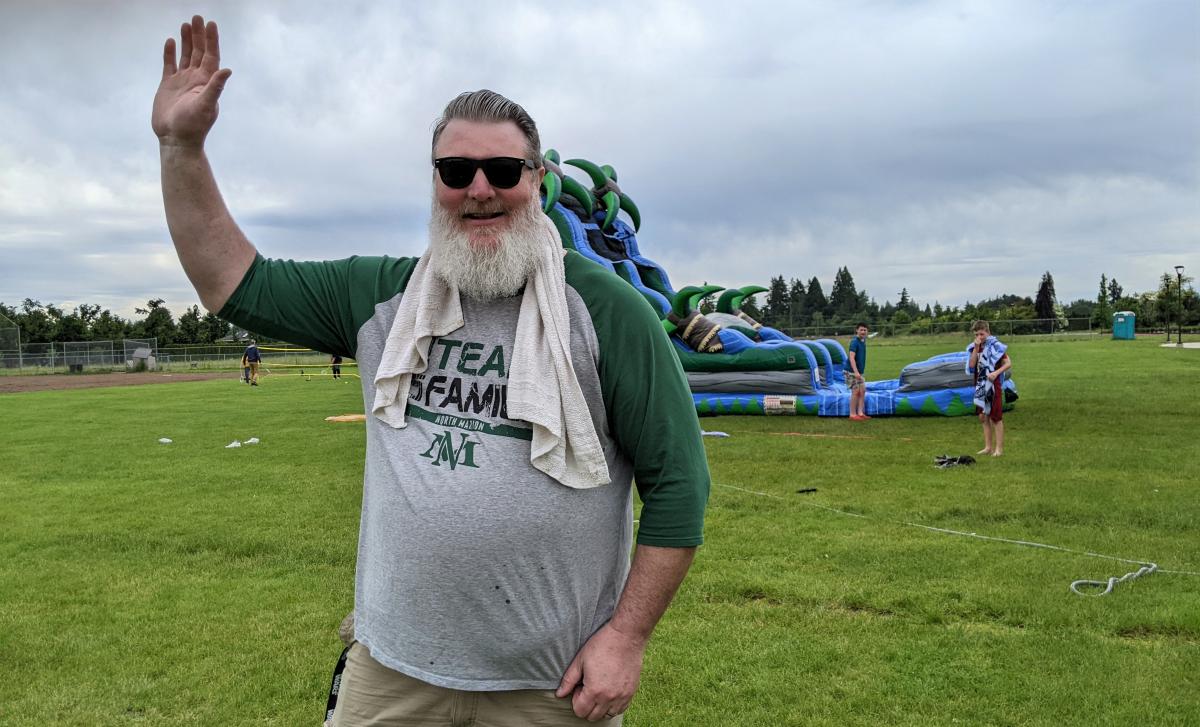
(489, 106)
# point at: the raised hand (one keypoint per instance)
(185, 106)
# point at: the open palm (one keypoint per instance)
(185, 106)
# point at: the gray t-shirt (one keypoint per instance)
(475, 570)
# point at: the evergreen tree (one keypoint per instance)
(1166, 304)
(1044, 302)
(778, 307)
(749, 308)
(815, 302)
(1115, 292)
(1102, 313)
(796, 301)
(843, 298)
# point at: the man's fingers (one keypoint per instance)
(212, 49)
(214, 87)
(585, 705)
(598, 713)
(197, 40)
(185, 45)
(569, 680)
(169, 58)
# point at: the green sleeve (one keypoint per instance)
(649, 407)
(316, 304)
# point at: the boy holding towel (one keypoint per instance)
(988, 361)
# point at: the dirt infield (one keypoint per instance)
(51, 382)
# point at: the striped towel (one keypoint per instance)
(989, 358)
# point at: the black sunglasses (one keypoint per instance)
(501, 172)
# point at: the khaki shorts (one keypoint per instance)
(854, 382)
(373, 695)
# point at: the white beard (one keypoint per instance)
(499, 262)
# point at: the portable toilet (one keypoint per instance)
(1123, 321)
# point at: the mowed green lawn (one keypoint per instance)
(189, 584)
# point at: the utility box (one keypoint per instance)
(1123, 325)
(142, 360)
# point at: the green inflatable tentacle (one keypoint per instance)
(705, 291)
(688, 299)
(553, 186)
(631, 209)
(680, 304)
(725, 303)
(552, 155)
(612, 203)
(740, 294)
(599, 180)
(608, 170)
(748, 291)
(579, 192)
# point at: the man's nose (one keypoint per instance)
(480, 188)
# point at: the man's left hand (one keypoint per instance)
(604, 675)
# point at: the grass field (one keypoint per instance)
(189, 584)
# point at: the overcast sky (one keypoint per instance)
(959, 149)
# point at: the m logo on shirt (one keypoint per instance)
(442, 449)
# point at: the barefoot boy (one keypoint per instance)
(988, 361)
(856, 366)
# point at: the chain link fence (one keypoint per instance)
(10, 340)
(1021, 327)
(141, 354)
(78, 356)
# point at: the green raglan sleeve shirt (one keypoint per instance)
(649, 407)
(319, 304)
(324, 304)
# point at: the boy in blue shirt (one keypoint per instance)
(856, 366)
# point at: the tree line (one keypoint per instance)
(795, 304)
(47, 323)
(790, 304)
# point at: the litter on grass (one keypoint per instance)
(943, 461)
(714, 434)
(251, 440)
(233, 445)
(163, 440)
(347, 418)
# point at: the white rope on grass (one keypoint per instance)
(1145, 566)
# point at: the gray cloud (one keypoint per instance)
(955, 150)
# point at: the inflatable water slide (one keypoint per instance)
(734, 364)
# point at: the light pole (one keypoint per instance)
(1179, 295)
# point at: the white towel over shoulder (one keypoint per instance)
(542, 386)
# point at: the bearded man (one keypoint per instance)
(516, 392)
